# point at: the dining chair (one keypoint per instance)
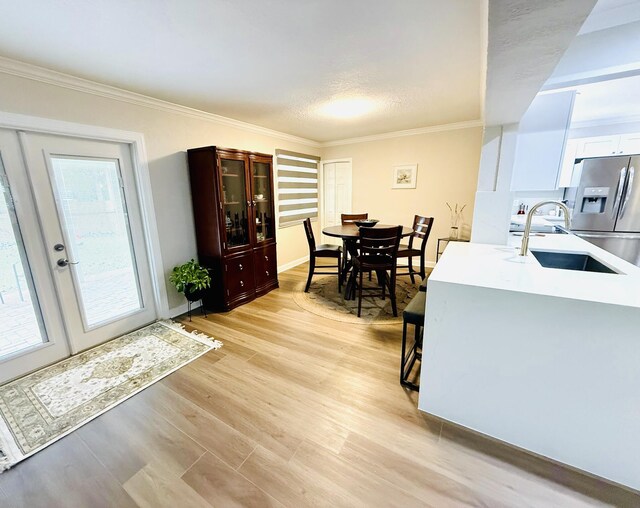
(324, 250)
(416, 248)
(349, 218)
(379, 252)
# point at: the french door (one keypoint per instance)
(74, 272)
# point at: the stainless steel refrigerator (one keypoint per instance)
(606, 204)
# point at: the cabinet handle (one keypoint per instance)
(267, 272)
(266, 258)
(240, 267)
(241, 284)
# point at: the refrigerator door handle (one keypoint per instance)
(619, 189)
(627, 193)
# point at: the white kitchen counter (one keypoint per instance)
(547, 360)
(501, 267)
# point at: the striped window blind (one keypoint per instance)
(297, 187)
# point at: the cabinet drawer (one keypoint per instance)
(266, 265)
(239, 275)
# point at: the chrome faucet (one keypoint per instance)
(527, 229)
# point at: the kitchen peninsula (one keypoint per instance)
(542, 358)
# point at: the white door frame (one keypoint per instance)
(141, 174)
(321, 187)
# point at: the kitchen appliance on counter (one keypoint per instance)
(606, 204)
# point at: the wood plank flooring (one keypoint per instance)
(295, 410)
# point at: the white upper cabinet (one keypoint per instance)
(629, 144)
(542, 136)
(600, 146)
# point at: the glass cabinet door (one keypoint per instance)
(234, 202)
(263, 200)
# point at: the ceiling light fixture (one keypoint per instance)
(348, 107)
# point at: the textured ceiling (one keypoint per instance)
(269, 62)
(527, 38)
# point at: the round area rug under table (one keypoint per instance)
(323, 299)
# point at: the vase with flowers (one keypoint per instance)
(455, 220)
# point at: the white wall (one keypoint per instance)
(447, 172)
(167, 136)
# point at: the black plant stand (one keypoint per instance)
(190, 303)
(192, 297)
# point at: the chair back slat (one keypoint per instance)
(308, 230)
(421, 229)
(350, 218)
(380, 241)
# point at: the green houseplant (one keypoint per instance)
(191, 279)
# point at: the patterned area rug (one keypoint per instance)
(324, 300)
(42, 407)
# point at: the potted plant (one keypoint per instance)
(191, 279)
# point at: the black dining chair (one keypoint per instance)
(324, 250)
(416, 248)
(379, 252)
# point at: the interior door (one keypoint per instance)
(337, 194)
(33, 334)
(87, 203)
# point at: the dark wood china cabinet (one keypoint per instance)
(234, 213)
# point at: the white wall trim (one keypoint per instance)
(33, 72)
(409, 132)
(291, 264)
(141, 173)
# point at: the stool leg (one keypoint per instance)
(403, 352)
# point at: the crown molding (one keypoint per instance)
(44, 75)
(614, 120)
(36, 73)
(409, 132)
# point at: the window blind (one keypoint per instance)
(297, 187)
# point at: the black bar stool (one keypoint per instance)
(413, 314)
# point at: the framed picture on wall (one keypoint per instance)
(405, 176)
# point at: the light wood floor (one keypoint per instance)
(295, 410)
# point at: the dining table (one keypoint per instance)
(350, 233)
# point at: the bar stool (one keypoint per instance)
(413, 314)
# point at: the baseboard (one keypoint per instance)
(182, 309)
(291, 264)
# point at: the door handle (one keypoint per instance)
(62, 262)
(627, 192)
(616, 203)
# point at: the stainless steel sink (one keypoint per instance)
(570, 261)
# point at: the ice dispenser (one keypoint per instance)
(594, 199)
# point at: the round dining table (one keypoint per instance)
(350, 234)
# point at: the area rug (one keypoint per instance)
(42, 407)
(323, 299)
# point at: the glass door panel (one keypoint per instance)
(85, 193)
(20, 316)
(95, 223)
(32, 332)
(262, 197)
(236, 214)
